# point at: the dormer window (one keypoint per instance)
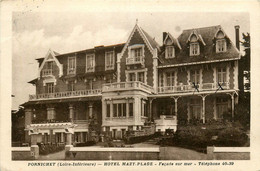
(90, 63)
(221, 45)
(194, 49)
(169, 52)
(72, 65)
(194, 44)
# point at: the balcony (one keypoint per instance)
(66, 94)
(122, 86)
(47, 72)
(135, 60)
(191, 88)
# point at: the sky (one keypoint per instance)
(34, 33)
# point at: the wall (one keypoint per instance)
(228, 153)
(81, 153)
(21, 153)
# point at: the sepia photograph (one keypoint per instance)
(127, 85)
(131, 86)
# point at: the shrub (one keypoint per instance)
(231, 137)
(84, 144)
(138, 139)
(192, 137)
(50, 148)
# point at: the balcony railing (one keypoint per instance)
(47, 72)
(127, 86)
(135, 60)
(90, 68)
(190, 88)
(66, 94)
(110, 67)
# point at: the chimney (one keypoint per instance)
(164, 35)
(237, 37)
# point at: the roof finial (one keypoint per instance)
(136, 21)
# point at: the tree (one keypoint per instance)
(242, 109)
(245, 60)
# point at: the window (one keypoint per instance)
(71, 86)
(124, 109)
(141, 76)
(221, 45)
(49, 87)
(114, 110)
(50, 114)
(72, 65)
(194, 49)
(222, 76)
(170, 79)
(90, 63)
(119, 110)
(136, 52)
(195, 109)
(222, 106)
(109, 60)
(169, 52)
(131, 76)
(195, 76)
(49, 65)
(108, 110)
(131, 110)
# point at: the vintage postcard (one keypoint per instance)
(129, 85)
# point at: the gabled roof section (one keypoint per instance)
(199, 37)
(175, 41)
(207, 53)
(149, 41)
(51, 54)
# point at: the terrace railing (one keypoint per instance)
(66, 94)
(47, 72)
(135, 60)
(127, 86)
(190, 88)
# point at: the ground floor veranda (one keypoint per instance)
(163, 111)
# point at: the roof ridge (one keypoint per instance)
(202, 27)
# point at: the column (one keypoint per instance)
(203, 108)
(150, 108)
(90, 106)
(71, 112)
(62, 137)
(137, 110)
(127, 108)
(233, 105)
(176, 106)
(68, 141)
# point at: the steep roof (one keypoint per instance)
(151, 40)
(207, 52)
